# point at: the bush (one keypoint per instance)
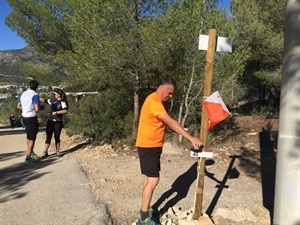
(8, 107)
(103, 117)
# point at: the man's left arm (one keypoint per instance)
(19, 105)
(36, 103)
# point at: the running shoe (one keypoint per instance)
(150, 212)
(35, 156)
(147, 221)
(45, 155)
(58, 154)
(31, 160)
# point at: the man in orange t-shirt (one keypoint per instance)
(150, 139)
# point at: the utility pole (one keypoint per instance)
(287, 183)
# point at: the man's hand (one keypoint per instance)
(196, 142)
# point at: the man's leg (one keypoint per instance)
(31, 128)
(149, 185)
(30, 146)
(150, 167)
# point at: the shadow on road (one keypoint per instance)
(4, 127)
(11, 155)
(14, 177)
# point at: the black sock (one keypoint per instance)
(143, 215)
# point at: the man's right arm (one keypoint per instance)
(174, 125)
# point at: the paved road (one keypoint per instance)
(51, 192)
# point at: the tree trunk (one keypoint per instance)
(186, 102)
(136, 106)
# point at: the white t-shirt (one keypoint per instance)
(28, 99)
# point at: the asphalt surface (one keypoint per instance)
(54, 191)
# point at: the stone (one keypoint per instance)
(229, 214)
(205, 220)
(184, 222)
(245, 213)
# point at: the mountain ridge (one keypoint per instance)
(10, 61)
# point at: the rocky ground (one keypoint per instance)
(238, 183)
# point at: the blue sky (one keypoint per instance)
(10, 40)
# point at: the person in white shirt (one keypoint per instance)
(29, 103)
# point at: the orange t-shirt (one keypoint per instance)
(151, 130)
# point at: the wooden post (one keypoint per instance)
(210, 55)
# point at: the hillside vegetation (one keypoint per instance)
(121, 49)
(10, 61)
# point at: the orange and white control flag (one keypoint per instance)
(216, 109)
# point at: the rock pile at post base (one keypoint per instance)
(222, 216)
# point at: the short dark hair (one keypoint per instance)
(167, 81)
(33, 85)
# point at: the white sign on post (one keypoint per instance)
(207, 154)
(223, 44)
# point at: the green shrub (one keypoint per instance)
(102, 117)
(8, 107)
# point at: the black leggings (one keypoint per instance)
(53, 127)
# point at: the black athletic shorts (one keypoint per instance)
(31, 127)
(150, 161)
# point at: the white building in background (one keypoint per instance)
(8, 86)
